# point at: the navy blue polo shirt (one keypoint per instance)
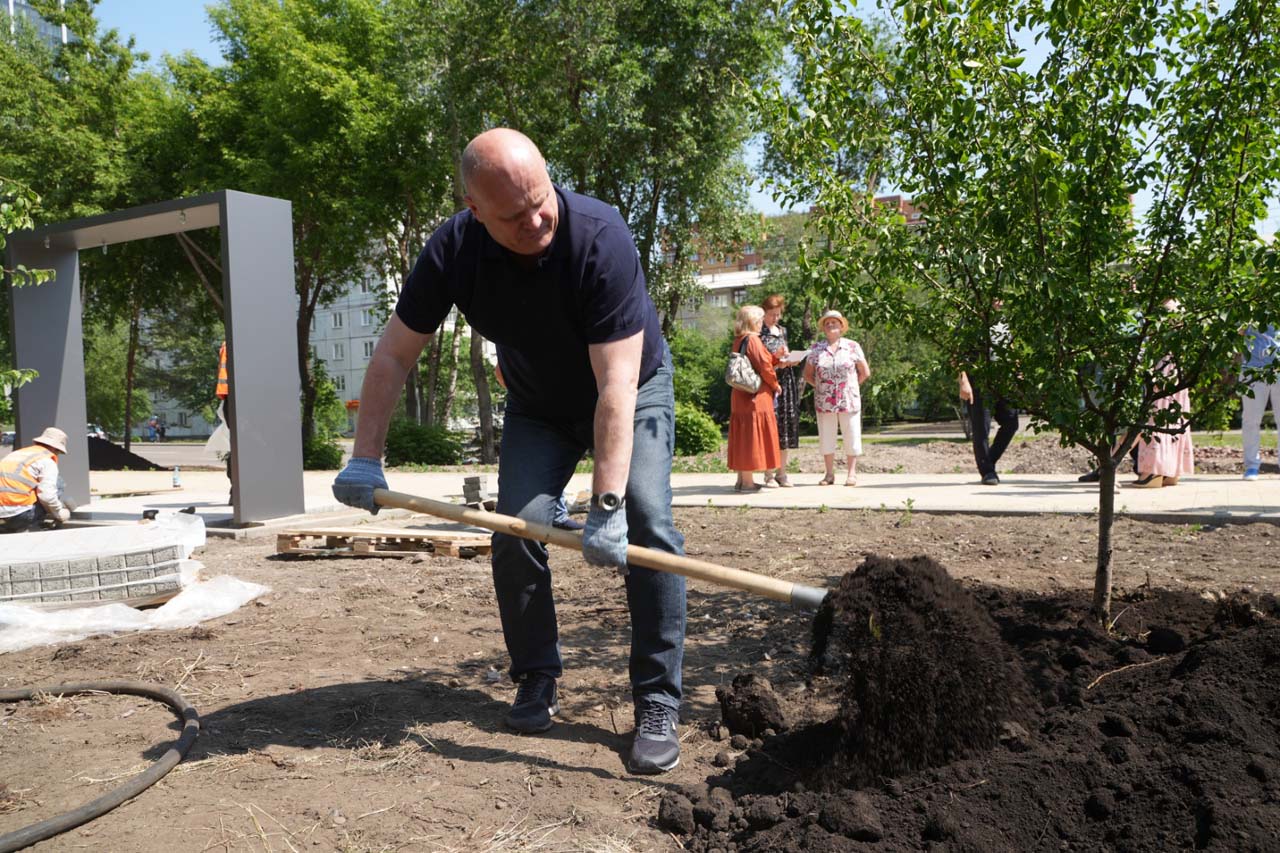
(587, 289)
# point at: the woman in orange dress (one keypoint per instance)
(753, 428)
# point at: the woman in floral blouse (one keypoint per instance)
(835, 368)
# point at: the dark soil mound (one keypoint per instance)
(749, 706)
(928, 679)
(1129, 751)
(105, 456)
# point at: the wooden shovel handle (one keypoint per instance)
(808, 597)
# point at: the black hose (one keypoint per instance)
(57, 824)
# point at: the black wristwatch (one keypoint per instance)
(609, 501)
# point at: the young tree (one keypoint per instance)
(1027, 175)
(296, 112)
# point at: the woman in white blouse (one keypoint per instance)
(835, 368)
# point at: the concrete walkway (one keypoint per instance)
(1205, 499)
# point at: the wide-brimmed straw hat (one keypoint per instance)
(833, 315)
(54, 439)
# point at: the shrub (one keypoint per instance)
(321, 454)
(696, 432)
(412, 443)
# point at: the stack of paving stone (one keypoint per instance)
(140, 574)
(475, 493)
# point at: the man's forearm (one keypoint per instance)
(47, 490)
(379, 393)
(614, 435)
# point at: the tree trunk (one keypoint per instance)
(673, 311)
(131, 361)
(451, 386)
(1106, 518)
(305, 375)
(433, 373)
(650, 233)
(488, 452)
(673, 298)
(411, 394)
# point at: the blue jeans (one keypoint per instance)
(538, 457)
(25, 521)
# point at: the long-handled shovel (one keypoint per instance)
(799, 595)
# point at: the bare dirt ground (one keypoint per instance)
(358, 706)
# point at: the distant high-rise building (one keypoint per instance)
(18, 10)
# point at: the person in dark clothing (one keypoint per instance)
(553, 278)
(981, 410)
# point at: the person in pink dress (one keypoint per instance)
(1164, 458)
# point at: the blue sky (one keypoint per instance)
(173, 26)
(162, 26)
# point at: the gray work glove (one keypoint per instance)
(355, 485)
(604, 541)
(63, 515)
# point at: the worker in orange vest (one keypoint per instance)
(223, 388)
(226, 410)
(29, 486)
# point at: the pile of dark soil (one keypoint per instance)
(106, 456)
(1162, 734)
(927, 679)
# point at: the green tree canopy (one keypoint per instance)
(1027, 177)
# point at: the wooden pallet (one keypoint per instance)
(381, 543)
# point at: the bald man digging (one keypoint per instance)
(553, 278)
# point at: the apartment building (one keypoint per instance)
(18, 11)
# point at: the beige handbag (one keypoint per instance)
(740, 374)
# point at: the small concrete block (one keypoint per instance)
(85, 596)
(82, 571)
(24, 572)
(113, 563)
(141, 558)
(110, 578)
(53, 576)
(142, 589)
(24, 578)
(141, 574)
(119, 592)
(167, 554)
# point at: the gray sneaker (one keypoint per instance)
(536, 703)
(656, 748)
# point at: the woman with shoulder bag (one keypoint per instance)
(753, 430)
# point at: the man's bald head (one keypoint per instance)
(499, 152)
(509, 191)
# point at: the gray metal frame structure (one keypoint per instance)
(260, 314)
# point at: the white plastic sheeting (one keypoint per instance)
(25, 627)
(172, 528)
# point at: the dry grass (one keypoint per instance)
(202, 680)
(14, 799)
(379, 758)
(48, 707)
